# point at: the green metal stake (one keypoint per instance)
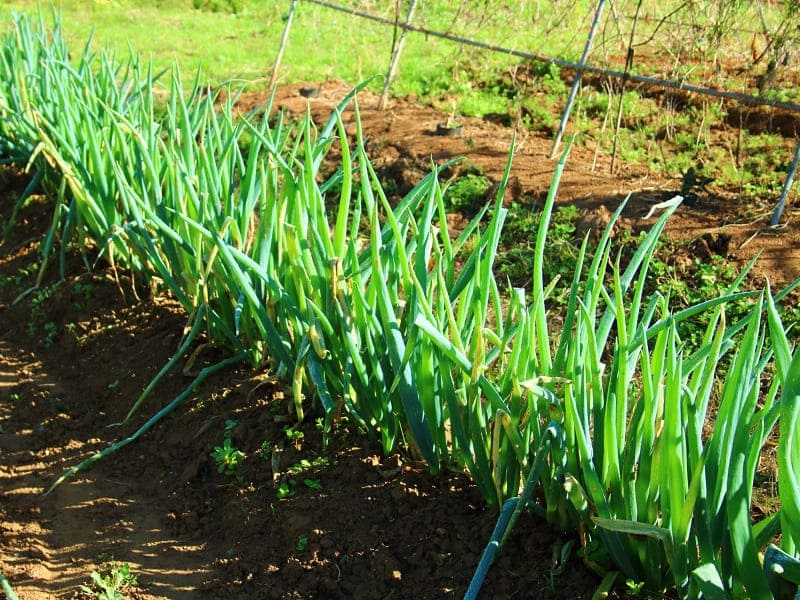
(7, 590)
(576, 84)
(786, 187)
(284, 39)
(512, 509)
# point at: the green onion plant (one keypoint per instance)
(370, 309)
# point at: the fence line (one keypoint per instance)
(747, 99)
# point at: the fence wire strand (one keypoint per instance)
(682, 85)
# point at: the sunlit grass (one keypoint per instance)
(324, 43)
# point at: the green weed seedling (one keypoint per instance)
(293, 435)
(230, 425)
(81, 293)
(109, 583)
(467, 192)
(286, 489)
(228, 458)
(265, 450)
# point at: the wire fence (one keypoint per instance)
(737, 51)
(769, 59)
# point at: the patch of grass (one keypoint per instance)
(224, 6)
(671, 137)
(515, 261)
(763, 165)
(467, 193)
(240, 39)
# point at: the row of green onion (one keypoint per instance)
(369, 308)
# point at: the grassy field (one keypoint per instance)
(240, 38)
(739, 47)
(244, 45)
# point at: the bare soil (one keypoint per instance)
(379, 526)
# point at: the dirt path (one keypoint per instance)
(50, 544)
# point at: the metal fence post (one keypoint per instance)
(786, 187)
(396, 56)
(578, 76)
(284, 39)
